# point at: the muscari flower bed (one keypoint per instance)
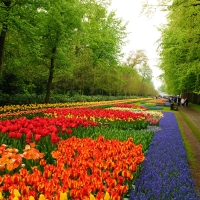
(165, 173)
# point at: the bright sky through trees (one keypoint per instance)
(143, 30)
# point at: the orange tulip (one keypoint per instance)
(127, 174)
(16, 178)
(42, 162)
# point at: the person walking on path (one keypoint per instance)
(186, 101)
(171, 102)
(179, 101)
(182, 101)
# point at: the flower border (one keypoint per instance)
(165, 172)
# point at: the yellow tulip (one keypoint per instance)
(63, 196)
(107, 196)
(92, 197)
(15, 198)
(31, 198)
(16, 193)
(1, 196)
(42, 197)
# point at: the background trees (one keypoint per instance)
(180, 48)
(65, 47)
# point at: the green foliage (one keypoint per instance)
(19, 99)
(63, 47)
(180, 48)
(142, 78)
(162, 88)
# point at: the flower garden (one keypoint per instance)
(88, 153)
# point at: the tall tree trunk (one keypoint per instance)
(3, 34)
(2, 43)
(50, 79)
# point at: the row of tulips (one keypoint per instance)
(58, 123)
(95, 114)
(137, 119)
(16, 108)
(80, 169)
(153, 117)
(134, 106)
(160, 101)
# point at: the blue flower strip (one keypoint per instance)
(165, 172)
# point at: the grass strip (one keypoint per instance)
(187, 145)
(194, 129)
(195, 106)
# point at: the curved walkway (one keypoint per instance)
(194, 117)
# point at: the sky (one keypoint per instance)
(143, 33)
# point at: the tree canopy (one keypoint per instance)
(66, 46)
(180, 48)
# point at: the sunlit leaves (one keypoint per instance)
(180, 48)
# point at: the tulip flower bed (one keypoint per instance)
(133, 106)
(153, 117)
(167, 104)
(153, 106)
(72, 154)
(165, 173)
(88, 154)
(22, 108)
(82, 168)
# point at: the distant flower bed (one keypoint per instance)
(157, 101)
(167, 104)
(153, 117)
(21, 108)
(134, 106)
(153, 106)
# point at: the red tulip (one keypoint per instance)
(4, 130)
(120, 180)
(133, 167)
(24, 189)
(29, 135)
(54, 138)
(12, 135)
(69, 131)
(16, 178)
(37, 137)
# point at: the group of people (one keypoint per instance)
(181, 101)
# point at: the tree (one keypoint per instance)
(56, 26)
(136, 58)
(180, 48)
(146, 73)
(162, 88)
(139, 61)
(17, 15)
(100, 38)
